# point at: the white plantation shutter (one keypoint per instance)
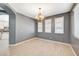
(40, 26)
(59, 25)
(48, 26)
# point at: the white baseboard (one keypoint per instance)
(73, 51)
(54, 41)
(20, 42)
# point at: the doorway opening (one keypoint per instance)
(4, 30)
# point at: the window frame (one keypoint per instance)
(40, 23)
(46, 25)
(60, 25)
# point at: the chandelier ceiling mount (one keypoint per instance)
(39, 17)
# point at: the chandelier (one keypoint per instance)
(39, 17)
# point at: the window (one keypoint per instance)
(48, 26)
(59, 25)
(76, 22)
(40, 27)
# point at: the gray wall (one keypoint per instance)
(74, 40)
(21, 27)
(57, 37)
(25, 27)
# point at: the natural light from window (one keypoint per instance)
(40, 26)
(48, 25)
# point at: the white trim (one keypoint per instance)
(20, 42)
(54, 41)
(73, 51)
(40, 39)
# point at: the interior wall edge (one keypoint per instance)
(12, 24)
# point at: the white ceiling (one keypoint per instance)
(31, 9)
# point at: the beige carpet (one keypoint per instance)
(41, 47)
